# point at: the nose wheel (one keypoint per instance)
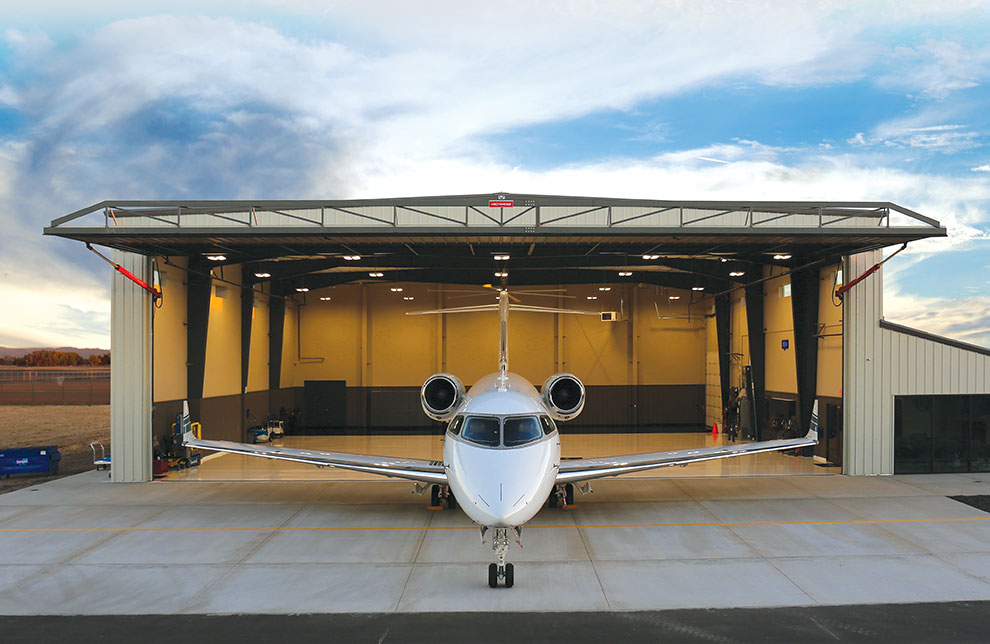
(496, 572)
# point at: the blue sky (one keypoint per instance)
(879, 100)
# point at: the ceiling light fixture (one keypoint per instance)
(501, 274)
(376, 274)
(217, 258)
(736, 273)
(697, 288)
(352, 258)
(302, 289)
(592, 297)
(326, 298)
(651, 257)
(501, 258)
(781, 256)
(724, 260)
(604, 288)
(674, 297)
(262, 275)
(408, 298)
(625, 273)
(396, 289)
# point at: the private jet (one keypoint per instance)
(501, 453)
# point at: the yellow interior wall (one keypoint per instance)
(781, 366)
(330, 330)
(403, 348)
(671, 351)
(170, 335)
(596, 352)
(222, 373)
(738, 339)
(830, 346)
(258, 358)
(292, 372)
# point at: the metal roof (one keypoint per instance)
(552, 239)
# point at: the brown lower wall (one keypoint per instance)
(618, 406)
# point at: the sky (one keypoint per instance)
(689, 100)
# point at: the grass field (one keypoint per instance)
(71, 427)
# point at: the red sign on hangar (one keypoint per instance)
(500, 204)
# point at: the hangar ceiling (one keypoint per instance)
(714, 245)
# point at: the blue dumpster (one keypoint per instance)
(30, 460)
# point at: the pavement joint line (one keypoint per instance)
(528, 527)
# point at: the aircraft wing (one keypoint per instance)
(584, 469)
(403, 468)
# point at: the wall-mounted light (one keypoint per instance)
(781, 256)
(302, 289)
(736, 273)
(217, 258)
(501, 258)
(262, 275)
(376, 274)
(625, 273)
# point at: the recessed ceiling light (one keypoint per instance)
(352, 258)
(262, 275)
(501, 274)
(604, 288)
(697, 288)
(302, 289)
(216, 258)
(724, 260)
(501, 258)
(592, 297)
(326, 298)
(736, 273)
(651, 257)
(396, 289)
(674, 297)
(408, 298)
(781, 256)
(625, 273)
(376, 274)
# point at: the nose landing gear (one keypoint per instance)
(501, 570)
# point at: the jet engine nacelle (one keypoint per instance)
(563, 394)
(441, 395)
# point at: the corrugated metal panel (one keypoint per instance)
(130, 372)
(881, 363)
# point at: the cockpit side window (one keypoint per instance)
(482, 430)
(547, 423)
(455, 425)
(520, 430)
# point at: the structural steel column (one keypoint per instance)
(757, 353)
(804, 311)
(276, 329)
(723, 311)
(198, 293)
(130, 371)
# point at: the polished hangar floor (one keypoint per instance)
(234, 467)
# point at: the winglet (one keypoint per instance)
(813, 430)
(187, 432)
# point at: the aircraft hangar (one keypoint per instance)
(297, 310)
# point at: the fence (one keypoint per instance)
(54, 385)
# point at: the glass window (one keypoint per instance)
(455, 425)
(912, 434)
(950, 434)
(482, 430)
(521, 430)
(548, 426)
(980, 437)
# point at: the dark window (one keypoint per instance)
(519, 431)
(482, 430)
(912, 434)
(455, 425)
(980, 434)
(950, 434)
(547, 423)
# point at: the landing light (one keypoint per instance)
(262, 275)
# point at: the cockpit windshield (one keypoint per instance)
(520, 430)
(495, 431)
(482, 430)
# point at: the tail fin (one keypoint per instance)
(813, 430)
(187, 432)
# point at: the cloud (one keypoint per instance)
(981, 168)
(965, 319)
(938, 68)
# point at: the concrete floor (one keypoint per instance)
(82, 545)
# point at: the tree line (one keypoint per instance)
(52, 358)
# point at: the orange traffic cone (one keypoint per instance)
(715, 431)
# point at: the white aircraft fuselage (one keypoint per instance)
(502, 486)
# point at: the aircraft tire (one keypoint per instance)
(451, 501)
(569, 494)
(509, 575)
(492, 575)
(552, 499)
(435, 495)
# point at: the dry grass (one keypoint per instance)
(71, 427)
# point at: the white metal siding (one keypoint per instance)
(130, 371)
(879, 364)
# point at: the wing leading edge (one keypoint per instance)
(403, 468)
(592, 468)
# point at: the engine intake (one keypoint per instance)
(563, 394)
(441, 395)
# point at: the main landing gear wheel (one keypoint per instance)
(451, 501)
(435, 495)
(492, 575)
